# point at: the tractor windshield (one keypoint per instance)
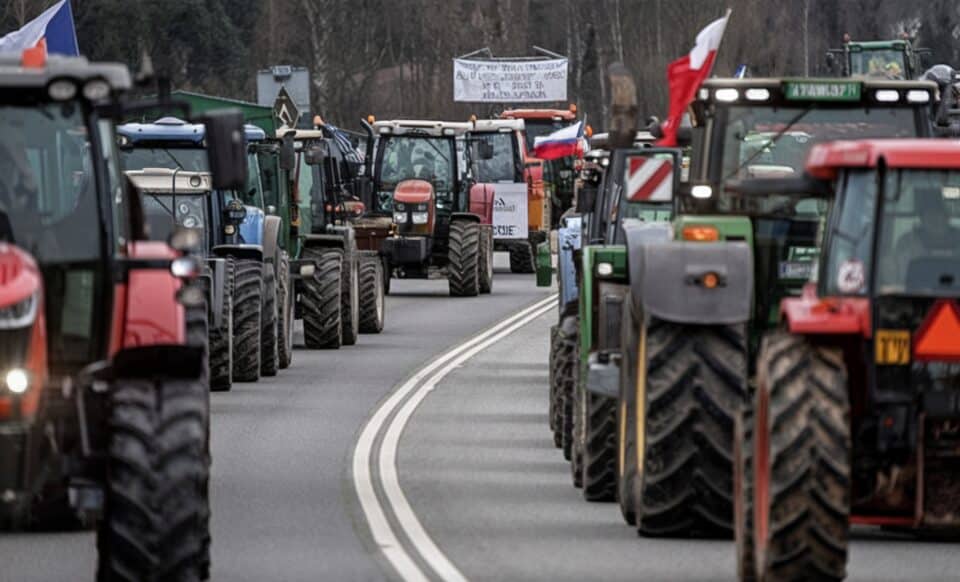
(161, 211)
(918, 250)
(504, 165)
(407, 157)
(139, 157)
(48, 201)
(878, 63)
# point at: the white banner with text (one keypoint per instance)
(537, 81)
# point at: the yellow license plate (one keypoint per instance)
(892, 347)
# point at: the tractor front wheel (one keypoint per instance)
(285, 313)
(221, 338)
(372, 305)
(521, 257)
(247, 313)
(801, 461)
(269, 350)
(155, 507)
(599, 447)
(350, 297)
(630, 407)
(463, 273)
(321, 301)
(566, 379)
(485, 265)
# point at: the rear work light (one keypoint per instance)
(701, 233)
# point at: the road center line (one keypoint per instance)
(374, 511)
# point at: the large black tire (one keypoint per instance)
(485, 264)
(269, 350)
(521, 257)
(696, 383)
(247, 305)
(567, 368)
(553, 412)
(320, 300)
(577, 436)
(221, 338)
(628, 464)
(801, 428)
(350, 297)
(156, 469)
(599, 448)
(372, 305)
(285, 313)
(463, 273)
(198, 335)
(743, 494)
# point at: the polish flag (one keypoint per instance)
(562, 143)
(686, 74)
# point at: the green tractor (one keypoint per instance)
(880, 59)
(699, 302)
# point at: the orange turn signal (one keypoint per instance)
(371, 119)
(589, 131)
(701, 233)
(573, 108)
(710, 280)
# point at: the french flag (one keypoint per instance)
(53, 32)
(686, 74)
(562, 143)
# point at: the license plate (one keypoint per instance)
(892, 347)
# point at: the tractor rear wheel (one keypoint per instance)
(247, 313)
(566, 378)
(463, 273)
(629, 409)
(485, 265)
(152, 528)
(599, 448)
(801, 461)
(285, 313)
(743, 494)
(350, 297)
(521, 257)
(577, 437)
(269, 352)
(696, 384)
(321, 301)
(372, 308)
(221, 338)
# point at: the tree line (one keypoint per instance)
(393, 58)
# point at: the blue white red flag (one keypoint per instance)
(53, 28)
(562, 143)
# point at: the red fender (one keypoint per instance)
(811, 315)
(481, 202)
(19, 280)
(146, 310)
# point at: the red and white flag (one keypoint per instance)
(686, 74)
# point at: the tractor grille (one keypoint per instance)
(13, 346)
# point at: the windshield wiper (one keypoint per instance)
(174, 158)
(772, 141)
(162, 205)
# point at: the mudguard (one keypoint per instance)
(325, 241)
(218, 284)
(468, 216)
(254, 252)
(666, 281)
(251, 229)
(271, 237)
(152, 315)
(481, 202)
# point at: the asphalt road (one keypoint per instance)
(284, 508)
(475, 462)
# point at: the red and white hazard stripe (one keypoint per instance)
(649, 179)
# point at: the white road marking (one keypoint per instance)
(421, 384)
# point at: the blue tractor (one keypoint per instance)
(242, 247)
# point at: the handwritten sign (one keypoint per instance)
(537, 81)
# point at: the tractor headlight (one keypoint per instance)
(604, 269)
(399, 207)
(17, 381)
(420, 217)
(19, 314)
(400, 217)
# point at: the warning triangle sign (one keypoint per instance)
(939, 336)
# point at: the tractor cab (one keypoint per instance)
(886, 59)
(750, 141)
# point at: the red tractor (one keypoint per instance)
(104, 405)
(856, 415)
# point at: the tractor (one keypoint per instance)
(441, 222)
(102, 395)
(700, 302)
(881, 59)
(856, 415)
(558, 176)
(521, 211)
(332, 270)
(251, 249)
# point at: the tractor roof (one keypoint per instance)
(77, 69)
(414, 127)
(878, 44)
(299, 134)
(160, 180)
(494, 125)
(554, 114)
(826, 158)
(175, 129)
(772, 91)
(641, 139)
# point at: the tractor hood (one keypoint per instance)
(251, 229)
(413, 192)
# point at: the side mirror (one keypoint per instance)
(315, 153)
(226, 149)
(586, 198)
(288, 156)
